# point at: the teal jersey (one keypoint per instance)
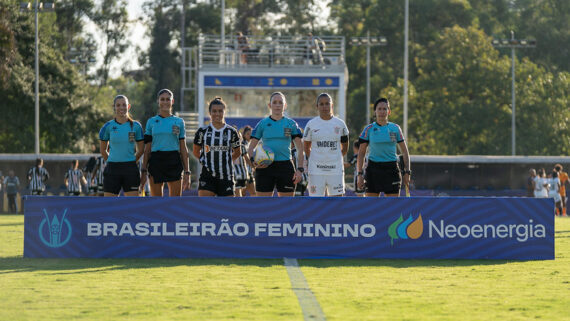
(277, 134)
(382, 141)
(122, 139)
(165, 133)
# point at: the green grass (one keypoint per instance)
(185, 289)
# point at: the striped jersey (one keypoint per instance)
(240, 170)
(100, 168)
(216, 149)
(74, 177)
(38, 177)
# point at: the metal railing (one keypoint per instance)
(272, 51)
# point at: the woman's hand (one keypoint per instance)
(186, 182)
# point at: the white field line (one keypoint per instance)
(307, 300)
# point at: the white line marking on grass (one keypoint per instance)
(307, 300)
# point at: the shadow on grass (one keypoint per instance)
(18, 264)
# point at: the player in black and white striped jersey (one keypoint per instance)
(240, 171)
(216, 146)
(37, 178)
(98, 175)
(74, 179)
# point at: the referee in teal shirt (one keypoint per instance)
(383, 174)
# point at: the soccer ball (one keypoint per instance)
(263, 155)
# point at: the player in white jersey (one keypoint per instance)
(325, 143)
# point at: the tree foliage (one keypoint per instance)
(459, 88)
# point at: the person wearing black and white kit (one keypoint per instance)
(98, 176)
(166, 153)
(37, 178)
(121, 147)
(277, 132)
(382, 137)
(250, 181)
(216, 146)
(240, 170)
(74, 178)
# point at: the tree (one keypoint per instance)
(112, 19)
(64, 101)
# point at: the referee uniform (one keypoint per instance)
(216, 147)
(121, 170)
(382, 172)
(164, 134)
(38, 176)
(277, 135)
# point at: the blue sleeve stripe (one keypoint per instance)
(103, 131)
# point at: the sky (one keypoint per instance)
(137, 37)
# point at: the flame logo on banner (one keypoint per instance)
(408, 229)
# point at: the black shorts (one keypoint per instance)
(119, 175)
(165, 166)
(240, 183)
(383, 177)
(279, 174)
(220, 187)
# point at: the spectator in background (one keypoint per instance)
(314, 48)
(530, 182)
(37, 178)
(540, 184)
(563, 177)
(12, 187)
(243, 47)
(74, 179)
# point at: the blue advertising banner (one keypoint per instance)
(347, 227)
(273, 82)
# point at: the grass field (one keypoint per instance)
(190, 289)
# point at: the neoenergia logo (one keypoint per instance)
(409, 228)
(55, 230)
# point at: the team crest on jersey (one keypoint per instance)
(287, 132)
(393, 137)
(131, 137)
(337, 130)
(175, 130)
(313, 189)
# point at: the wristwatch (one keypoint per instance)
(360, 173)
(187, 172)
(407, 172)
(301, 169)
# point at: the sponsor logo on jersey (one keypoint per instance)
(327, 144)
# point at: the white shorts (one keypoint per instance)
(333, 184)
(555, 196)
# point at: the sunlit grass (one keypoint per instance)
(189, 289)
